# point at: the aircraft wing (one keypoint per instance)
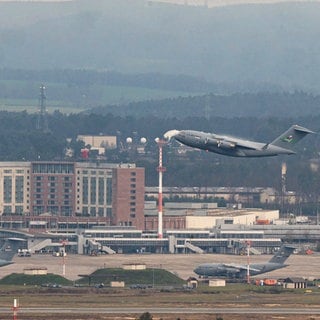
(240, 267)
(230, 143)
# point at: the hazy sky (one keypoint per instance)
(217, 3)
(210, 3)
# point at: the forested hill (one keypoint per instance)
(247, 45)
(260, 105)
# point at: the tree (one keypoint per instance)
(145, 316)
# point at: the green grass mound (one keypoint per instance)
(157, 277)
(24, 279)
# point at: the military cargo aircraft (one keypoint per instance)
(237, 147)
(239, 271)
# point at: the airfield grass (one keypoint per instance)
(168, 291)
(233, 296)
(167, 288)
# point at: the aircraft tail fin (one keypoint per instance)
(283, 254)
(9, 248)
(294, 134)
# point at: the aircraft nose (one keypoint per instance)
(171, 134)
(197, 270)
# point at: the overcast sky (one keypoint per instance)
(210, 3)
(217, 3)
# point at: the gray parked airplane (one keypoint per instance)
(232, 270)
(237, 147)
(8, 249)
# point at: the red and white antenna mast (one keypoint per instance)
(248, 243)
(160, 169)
(15, 309)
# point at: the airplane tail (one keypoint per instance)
(294, 134)
(282, 255)
(9, 248)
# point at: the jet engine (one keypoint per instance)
(231, 271)
(224, 144)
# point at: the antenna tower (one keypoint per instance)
(283, 185)
(15, 309)
(161, 170)
(42, 121)
(248, 244)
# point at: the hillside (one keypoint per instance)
(248, 47)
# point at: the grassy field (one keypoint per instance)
(231, 296)
(163, 294)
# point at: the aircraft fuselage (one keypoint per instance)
(226, 145)
(221, 270)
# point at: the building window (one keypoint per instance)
(100, 212)
(93, 211)
(93, 190)
(19, 209)
(19, 189)
(85, 190)
(7, 209)
(101, 191)
(7, 189)
(109, 191)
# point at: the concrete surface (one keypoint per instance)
(180, 264)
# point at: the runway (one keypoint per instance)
(156, 310)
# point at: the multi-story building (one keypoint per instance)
(110, 192)
(15, 185)
(128, 197)
(52, 188)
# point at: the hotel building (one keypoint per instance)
(113, 193)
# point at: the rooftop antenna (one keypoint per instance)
(42, 121)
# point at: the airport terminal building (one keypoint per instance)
(101, 207)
